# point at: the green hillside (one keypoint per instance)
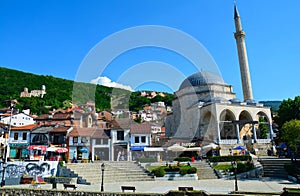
(274, 105)
(59, 90)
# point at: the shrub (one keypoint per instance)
(159, 172)
(183, 171)
(146, 160)
(183, 159)
(192, 170)
(292, 169)
(171, 168)
(243, 167)
(230, 158)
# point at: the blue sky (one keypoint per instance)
(54, 37)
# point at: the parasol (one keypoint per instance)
(61, 150)
(43, 148)
(239, 148)
(176, 148)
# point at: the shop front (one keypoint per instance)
(37, 152)
(18, 151)
(121, 151)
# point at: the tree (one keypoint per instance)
(138, 120)
(288, 110)
(291, 133)
(264, 128)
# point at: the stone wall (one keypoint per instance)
(40, 192)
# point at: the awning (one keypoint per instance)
(193, 149)
(153, 149)
(137, 148)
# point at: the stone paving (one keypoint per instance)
(216, 186)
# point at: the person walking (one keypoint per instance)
(90, 158)
(74, 157)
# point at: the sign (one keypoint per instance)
(189, 144)
(137, 148)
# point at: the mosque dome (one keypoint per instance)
(202, 78)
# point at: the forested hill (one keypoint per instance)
(274, 105)
(59, 90)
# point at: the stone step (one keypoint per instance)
(114, 172)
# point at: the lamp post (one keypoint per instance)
(102, 169)
(12, 104)
(234, 164)
(3, 173)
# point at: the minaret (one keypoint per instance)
(243, 59)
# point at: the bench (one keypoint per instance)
(36, 186)
(69, 186)
(185, 188)
(130, 188)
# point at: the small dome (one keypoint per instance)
(235, 100)
(202, 78)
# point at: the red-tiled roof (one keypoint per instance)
(6, 114)
(59, 129)
(82, 132)
(100, 133)
(26, 127)
(42, 116)
(120, 123)
(61, 116)
(143, 128)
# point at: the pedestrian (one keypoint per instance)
(90, 157)
(74, 157)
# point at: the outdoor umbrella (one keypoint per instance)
(176, 148)
(83, 150)
(239, 148)
(51, 149)
(210, 146)
(43, 148)
(61, 150)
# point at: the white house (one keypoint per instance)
(120, 139)
(140, 137)
(19, 140)
(17, 120)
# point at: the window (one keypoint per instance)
(105, 141)
(98, 141)
(16, 136)
(120, 135)
(83, 140)
(143, 139)
(75, 139)
(136, 139)
(24, 137)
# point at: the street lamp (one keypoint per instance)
(3, 173)
(102, 169)
(12, 104)
(234, 164)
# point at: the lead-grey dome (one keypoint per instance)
(202, 78)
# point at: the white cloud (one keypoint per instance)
(105, 81)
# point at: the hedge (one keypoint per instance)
(146, 160)
(159, 172)
(183, 159)
(230, 158)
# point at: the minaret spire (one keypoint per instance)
(242, 53)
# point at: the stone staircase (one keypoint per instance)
(121, 171)
(204, 170)
(274, 167)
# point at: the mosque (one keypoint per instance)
(206, 109)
